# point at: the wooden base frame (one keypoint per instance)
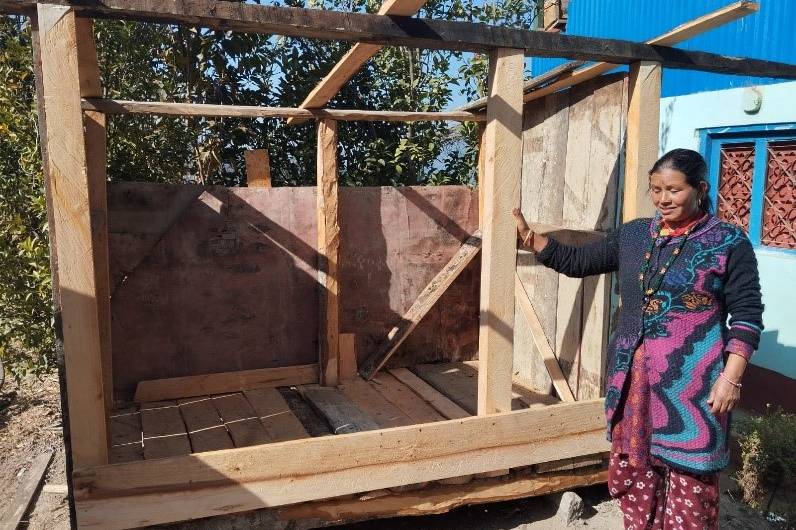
(228, 481)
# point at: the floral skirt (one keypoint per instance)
(652, 495)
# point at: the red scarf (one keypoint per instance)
(668, 231)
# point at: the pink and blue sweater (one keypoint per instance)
(685, 329)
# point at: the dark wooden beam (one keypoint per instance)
(406, 31)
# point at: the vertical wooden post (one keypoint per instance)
(481, 161)
(641, 148)
(501, 182)
(75, 146)
(328, 248)
(258, 168)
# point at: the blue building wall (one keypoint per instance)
(686, 122)
(767, 34)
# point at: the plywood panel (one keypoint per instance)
(383, 270)
(225, 279)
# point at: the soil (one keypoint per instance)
(30, 424)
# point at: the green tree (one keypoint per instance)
(157, 62)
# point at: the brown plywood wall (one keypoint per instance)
(573, 142)
(213, 279)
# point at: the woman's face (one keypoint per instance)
(673, 196)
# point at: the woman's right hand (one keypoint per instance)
(523, 230)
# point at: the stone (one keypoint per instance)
(570, 508)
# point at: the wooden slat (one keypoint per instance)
(641, 150)
(367, 398)
(429, 394)
(422, 305)
(164, 430)
(26, 489)
(161, 108)
(279, 422)
(540, 340)
(328, 254)
(208, 384)
(240, 419)
(134, 494)
(354, 59)
(568, 464)
(544, 164)
(404, 31)
(599, 199)
(258, 168)
(343, 415)
(348, 356)
(501, 182)
(205, 428)
(403, 397)
(76, 153)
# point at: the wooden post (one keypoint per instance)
(75, 146)
(641, 148)
(480, 182)
(328, 247)
(501, 182)
(258, 168)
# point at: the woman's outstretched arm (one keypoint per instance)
(594, 258)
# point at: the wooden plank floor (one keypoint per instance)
(424, 393)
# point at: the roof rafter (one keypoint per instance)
(353, 60)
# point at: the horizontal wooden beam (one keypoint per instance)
(218, 383)
(406, 31)
(441, 498)
(112, 106)
(203, 484)
(557, 79)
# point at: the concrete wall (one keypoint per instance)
(681, 117)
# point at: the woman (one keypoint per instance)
(675, 367)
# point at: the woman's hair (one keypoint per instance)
(693, 166)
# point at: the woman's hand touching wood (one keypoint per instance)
(529, 240)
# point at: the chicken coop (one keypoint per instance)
(326, 354)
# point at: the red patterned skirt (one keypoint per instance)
(652, 495)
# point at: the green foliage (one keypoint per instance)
(155, 62)
(768, 452)
(26, 341)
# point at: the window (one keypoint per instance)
(753, 180)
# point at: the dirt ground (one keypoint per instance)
(30, 423)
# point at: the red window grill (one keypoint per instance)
(779, 200)
(735, 183)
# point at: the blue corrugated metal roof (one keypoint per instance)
(768, 34)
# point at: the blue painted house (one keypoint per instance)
(746, 129)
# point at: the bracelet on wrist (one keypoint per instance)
(528, 236)
(733, 383)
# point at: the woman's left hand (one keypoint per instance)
(723, 396)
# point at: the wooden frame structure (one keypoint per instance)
(235, 480)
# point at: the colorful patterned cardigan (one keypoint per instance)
(684, 330)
